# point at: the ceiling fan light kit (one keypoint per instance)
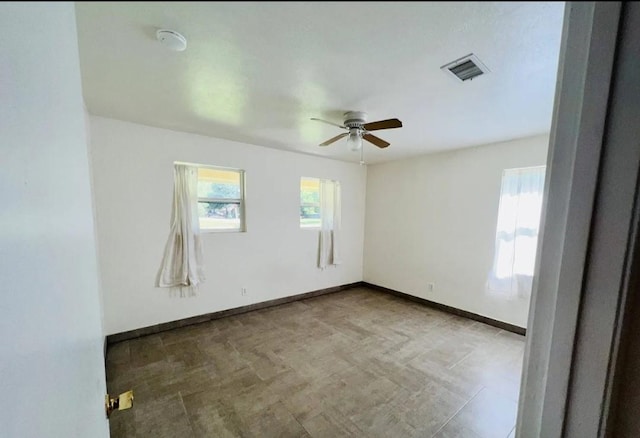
(355, 123)
(354, 140)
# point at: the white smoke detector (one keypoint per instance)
(171, 39)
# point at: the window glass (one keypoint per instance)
(220, 199)
(309, 203)
(517, 231)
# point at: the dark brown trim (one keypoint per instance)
(459, 312)
(132, 334)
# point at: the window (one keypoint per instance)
(309, 203)
(517, 230)
(221, 199)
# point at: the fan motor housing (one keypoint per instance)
(355, 119)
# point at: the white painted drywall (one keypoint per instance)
(52, 381)
(433, 219)
(133, 183)
(87, 128)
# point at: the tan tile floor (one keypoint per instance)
(354, 363)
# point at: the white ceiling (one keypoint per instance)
(255, 72)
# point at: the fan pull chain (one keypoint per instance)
(362, 155)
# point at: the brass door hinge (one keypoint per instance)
(124, 401)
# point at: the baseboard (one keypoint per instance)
(133, 334)
(459, 312)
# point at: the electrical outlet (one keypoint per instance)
(243, 291)
(431, 287)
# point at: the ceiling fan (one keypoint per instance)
(355, 122)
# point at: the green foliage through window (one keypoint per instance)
(309, 203)
(218, 190)
(221, 199)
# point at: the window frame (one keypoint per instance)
(240, 201)
(309, 204)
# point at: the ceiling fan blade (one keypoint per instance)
(328, 122)
(383, 124)
(376, 140)
(336, 138)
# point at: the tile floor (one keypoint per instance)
(356, 363)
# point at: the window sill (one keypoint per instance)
(221, 231)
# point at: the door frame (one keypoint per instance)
(590, 217)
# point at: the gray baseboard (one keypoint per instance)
(132, 334)
(459, 312)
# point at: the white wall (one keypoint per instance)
(433, 219)
(133, 181)
(52, 381)
(87, 129)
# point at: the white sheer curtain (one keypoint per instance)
(517, 231)
(182, 261)
(330, 217)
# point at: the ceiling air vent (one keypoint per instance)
(465, 68)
